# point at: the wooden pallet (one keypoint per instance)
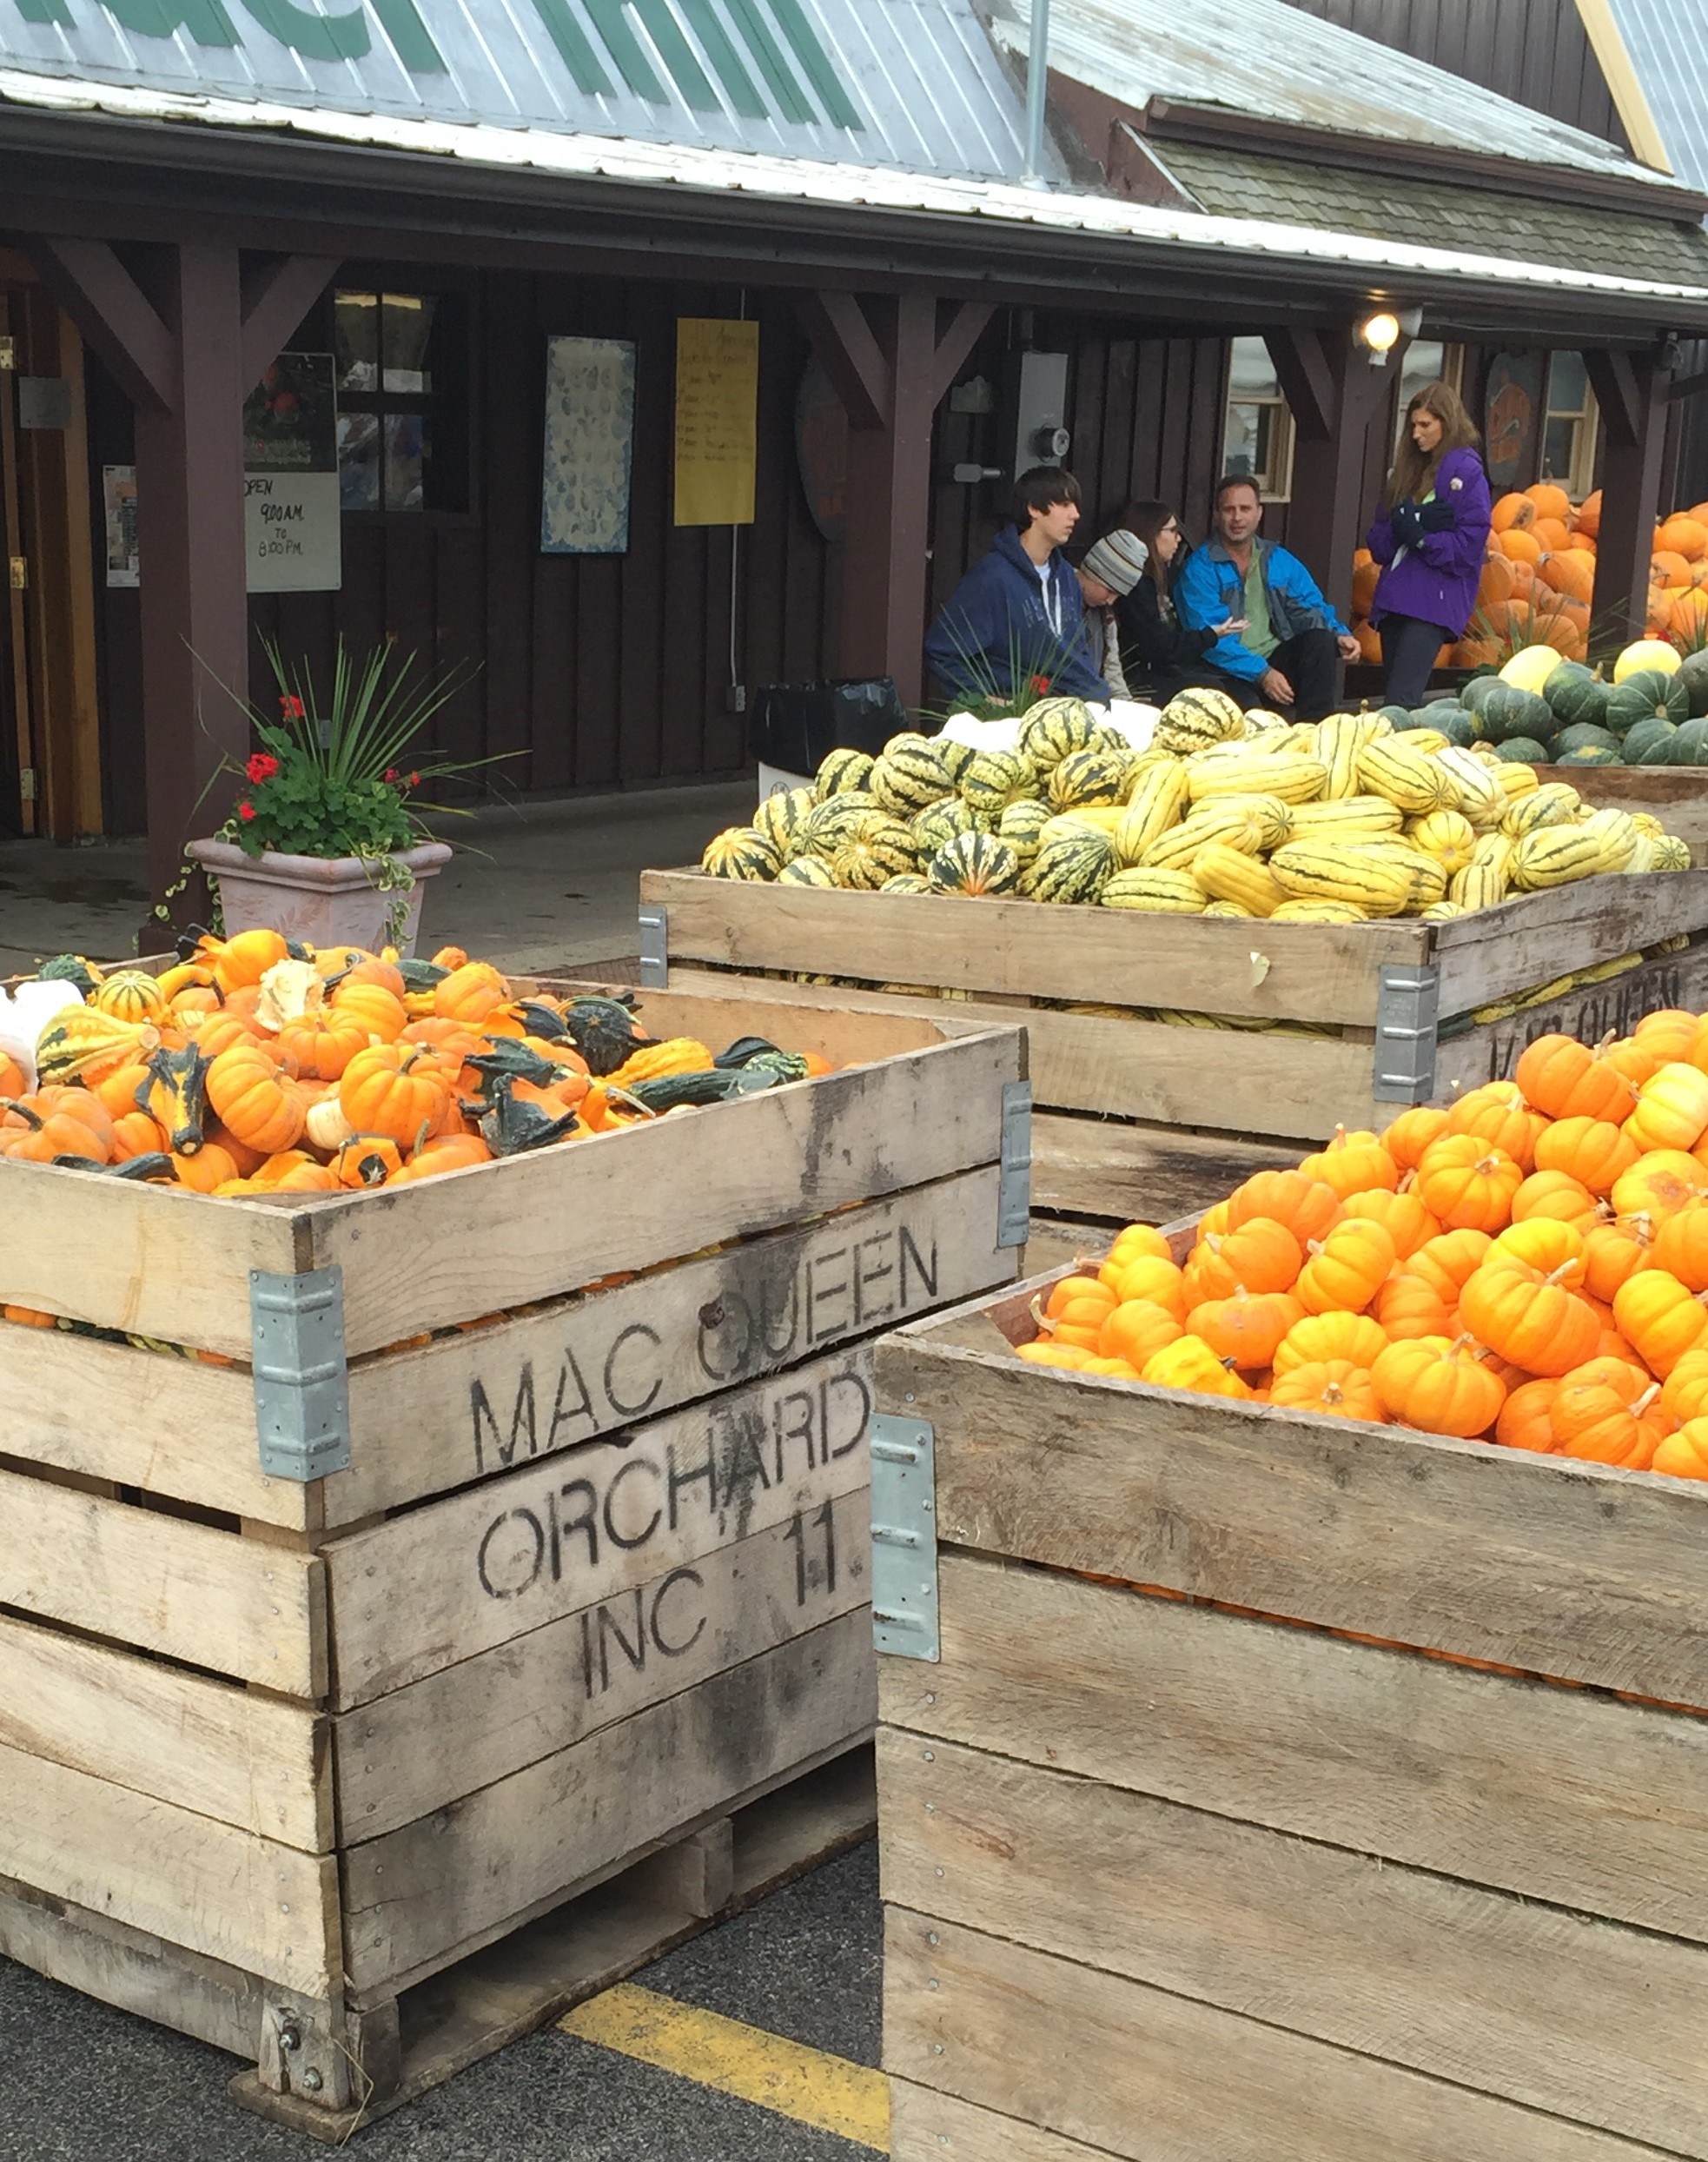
(1288, 1790)
(1086, 980)
(595, 1575)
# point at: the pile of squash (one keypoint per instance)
(1527, 1268)
(1221, 813)
(256, 1067)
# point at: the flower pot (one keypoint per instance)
(322, 901)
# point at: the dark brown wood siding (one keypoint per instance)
(1535, 51)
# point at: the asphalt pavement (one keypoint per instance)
(80, 2082)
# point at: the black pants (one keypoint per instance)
(1409, 647)
(1311, 662)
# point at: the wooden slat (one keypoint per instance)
(170, 1425)
(1138, 1174)
(1555, 1794)
(1559, 1567)
(247, 1758)
(1497, 952)
(424, 1895)
(1585, 2020)
(468, 1406)
(1145, 2074)
(454, 1578)
(1316, 972)
(500, 1235)
(250, 1901)
(923, 2123)
(1678, 796)
(242, 1607)
(540, 1693)
(155, 1259)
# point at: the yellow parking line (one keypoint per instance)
(805, 2084)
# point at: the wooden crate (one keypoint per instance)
(595, 1577)
(1678, 796)
(1086, 978)
(1201, 1841)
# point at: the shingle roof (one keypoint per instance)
(1231, 182)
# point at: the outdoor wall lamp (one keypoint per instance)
(1382, 331)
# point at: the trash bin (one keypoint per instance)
(796, 725)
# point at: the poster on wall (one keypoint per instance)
(1510, 404)
(584, 504)
(717, 419)
(118, 496)
(292, 534)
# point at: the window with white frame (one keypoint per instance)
(1570, 425)
(1257, 433)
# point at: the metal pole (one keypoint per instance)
(1037, 87)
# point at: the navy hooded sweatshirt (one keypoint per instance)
(998, 613)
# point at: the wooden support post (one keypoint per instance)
(1631, 390)
(1333, 393)
(891, 369)
(186, 351)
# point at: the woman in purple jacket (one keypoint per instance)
(1429, 535)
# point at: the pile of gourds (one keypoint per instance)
(256, 1067)
(1221, 813)
(1528, 1268)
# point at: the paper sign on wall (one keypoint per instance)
(118, 497)
(589, 445)
(293, 535)
(717, 419)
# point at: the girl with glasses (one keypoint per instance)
(1159, 654)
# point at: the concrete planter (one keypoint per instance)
(322, 901)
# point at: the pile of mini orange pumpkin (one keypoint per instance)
(1529, 1267)
(340, 1076)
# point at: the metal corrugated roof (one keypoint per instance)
(1271, 61)
(1668, 47)
(913, 83)
(682, 169)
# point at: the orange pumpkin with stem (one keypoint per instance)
(1402, 1216)
(240, 962)
(1446, 1261)
(254, 1100)
(1066, 1290)
(1135, 1329)
(1558, 1194)
(1438, 1385)
(1467, 1184)
(1324, 1339)
(1148, 1276)
(1684, 1454)
(367, 1160)
(1409, 1305)
(1498, 1113)
(135, 1134)
(1661, 1317)
(1189, 1364)
(1261, 1255)
(1247, 1328)
(398, 1090)
(1526, 1419)
(1545, 1244)
(1658, 1185)
(1683, 1393)
(1563, 1078)
(1614, 1251)
(1681, 1246)
(59, 1120)
(323, 1044)
(211, 1167)
(1594, 1151)
(216, 1032)
(452, 1153)
(1412, 1133)
(1672, 1110)
(1607, 1412)
(1346, 1268)
(470, 993)
(1305, 1206)
(1351, 1163)
(1334, 1387)
(371, 1008)
(1529, 1317)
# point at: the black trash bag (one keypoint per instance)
(795, 726)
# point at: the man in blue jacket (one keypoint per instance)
(1017, 620)
(1287, 656)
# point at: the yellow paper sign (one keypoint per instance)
(717, 419)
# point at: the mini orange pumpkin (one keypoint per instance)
(1447, 1262)
(1592, 1151)
(321, 1045)
(251, 1097)
(1408, 1306)
(1529, 1317)
(1129, 1243)
(1346, 1269)
(1660, 1316)
(240, 962)
(1333, 1387)
(1545, 1244)
(1466, 1182)
(1524, 1421)
(1247, 1328)
(1136, 1331)
(370, 1007)
(1439, 1386)
(1189, 1364)
(1683, 1393)
(1681, 1246)
(393, 1089)
(1261, 1255)
(1402, 1216)
(367, 1160)
(1606, 1413)
(1307, 1206)
(1325, 1339)
(1351, 1163)
(1498, 1114)
(1614, 1251)
(1659, 1185)
(1557, 1194)
(1148, 1276)
(1564, 1078)
(1672, 1109)
(1684, 1454)
(1412, 1133)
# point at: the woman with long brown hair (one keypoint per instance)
(1430, 533)
(1159, 654)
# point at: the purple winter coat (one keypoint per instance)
(1436, 579)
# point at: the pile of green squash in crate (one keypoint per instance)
(1540, 710)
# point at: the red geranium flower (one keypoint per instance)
(246, 810)
(291, 707)
(392, 773)
(414, 780)
(1041, 684)
(262, 767)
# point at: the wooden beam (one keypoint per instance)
(1334, 396)
(1631, 390)
(1310, 383)
(844, 340)
(277, 297)
(114, 314)
(966, 328)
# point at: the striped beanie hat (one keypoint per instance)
(1118, 560)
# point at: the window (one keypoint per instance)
(402, 400)
(1257, 440)
(1570, 426)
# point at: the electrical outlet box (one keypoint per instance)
(735, 699)
(1034, 413)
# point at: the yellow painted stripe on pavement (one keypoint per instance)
(805, 2084)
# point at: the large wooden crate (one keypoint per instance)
(1310, 1039)
(1678, 796)
(1237, 1821)
(277, 1749)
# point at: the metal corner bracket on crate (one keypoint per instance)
(903, 1537)
(1407, 1011)
(655, 947)
(301, 1380)
(1014, 1190)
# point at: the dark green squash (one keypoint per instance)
(1690, 745)
(511, 1128)
(1648, 695)
(1522, 750)
(1590, 754)
(1650, 742)
(1583, 736)
(1693, 675)
(604, 1032)
(1507, 711)
(1576, 693)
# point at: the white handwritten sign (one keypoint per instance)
(292, 539)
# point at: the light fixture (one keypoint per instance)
(1380, 333)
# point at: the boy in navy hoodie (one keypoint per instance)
(1019, 611)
